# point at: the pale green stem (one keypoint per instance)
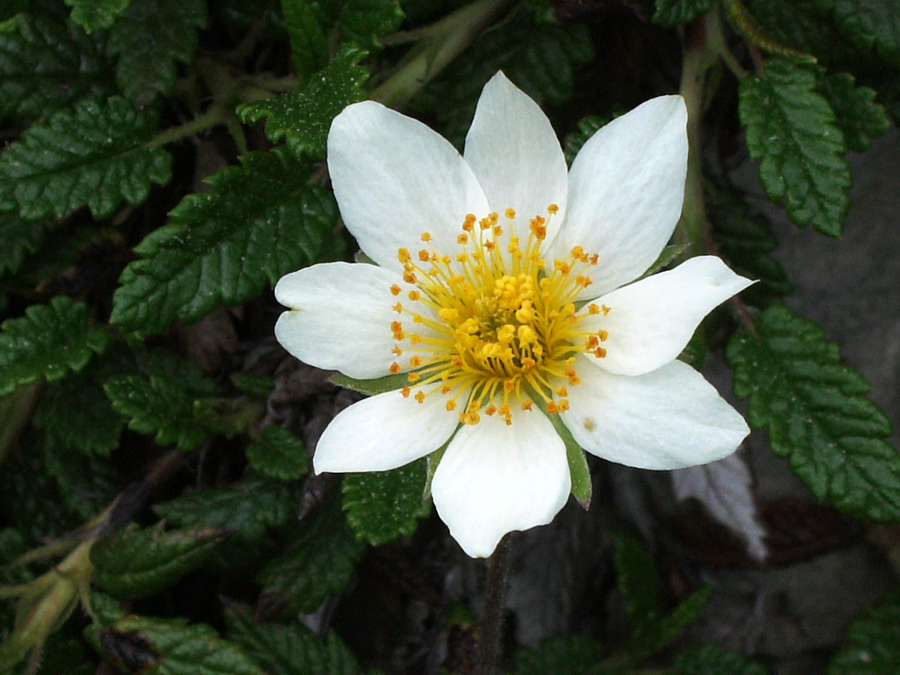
(446, 40)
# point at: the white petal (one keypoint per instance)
(340, 317)
(651, 320)
(495, 478)
(515, 154)
(383, 432)
(394, 178)
(668, 419)
(625, 191)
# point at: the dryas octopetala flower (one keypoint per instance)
(507, 293)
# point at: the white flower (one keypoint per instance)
(505, 290)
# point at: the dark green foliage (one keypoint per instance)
(857, 114)
(279, 454)
(20, 237)
(250, 507)
(539, 57)
(49, 341)
(86, 485)
(746, 241)
(34, 506)
(792, 129)
(308, 41)
(873, 642)
(672, 13)
(47, 64)
(260, 221)
(95, 154)
(318, 561)
(384, 505)
(96, 14)
(169, 646)
(137, 563)
(149, 39)
(361, 22)
(816, 413)
(712, 660)
(562, 655)
(303, 118)
(288, 649)
(160, 406)
(587, 127)
(872, 26)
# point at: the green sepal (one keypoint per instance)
(303, 118)
(49, 341)
(288, 648)
(138, 563)
(383, 506)
(670, 253)
(279, 454)
(378, 385)
(580, 473)
(818, 418)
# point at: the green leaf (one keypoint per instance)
(587, 127)
(162, 407)
(252, 507)
(745, 239)
(308, 42)
(873, 642)
(712, 660)
(86, 486)
(817, 416)
(94, 155)
(49, 341)
(169, 647)
(363, 21)
(260, 221)
(279, 454)
(383, 506)
(653, 637)
(288, 649)
(304, 118)
(46, 65)
(561, 656)
(149, 39)
(96, 14)
(637, 580)
(257, 386)
(792, 129)
(377, 385)
(872, 26)
(857, 114)
(541, 57)
(317, 562)
(20, 238)
(138, 563)
(671, 13)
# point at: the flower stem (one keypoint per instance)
(213, 117)
(492, 618)
(446, 40)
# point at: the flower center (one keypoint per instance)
(500, 324)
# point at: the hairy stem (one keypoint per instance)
(492, 619)
(445, 40)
